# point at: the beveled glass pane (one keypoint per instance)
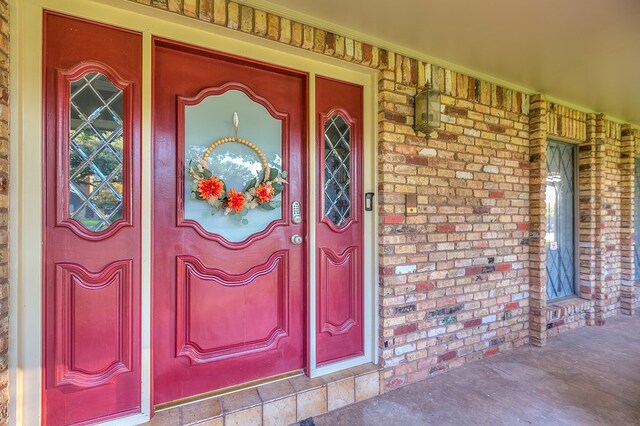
(337, 169)
(233, 163)
(95, 151)
(560, 218)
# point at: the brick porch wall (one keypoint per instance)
(455, 278)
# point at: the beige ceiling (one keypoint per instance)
(585, 53)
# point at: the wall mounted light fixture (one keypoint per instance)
(427, 109)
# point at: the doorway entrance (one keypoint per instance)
(167, 289)
(228, 280)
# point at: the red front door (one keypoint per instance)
(227, 297)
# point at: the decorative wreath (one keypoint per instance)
(259, 192)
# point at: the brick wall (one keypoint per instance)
(4, 209)
(605, 222)
(453, 277)
(465, 278)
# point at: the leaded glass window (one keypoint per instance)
(337, 169)
(560, 232)
(95, 151)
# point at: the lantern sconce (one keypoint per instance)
(427, 109)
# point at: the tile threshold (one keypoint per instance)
(278, 402)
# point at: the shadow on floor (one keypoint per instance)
(589, 376)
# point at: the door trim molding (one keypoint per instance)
(25, 210)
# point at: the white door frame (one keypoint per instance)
(25, 212)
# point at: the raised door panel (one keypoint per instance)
(93, 324)
(338, 297)
(203, 336)
(340, 286)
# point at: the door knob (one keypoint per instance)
(296, 239)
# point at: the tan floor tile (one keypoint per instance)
(249, 417)
(280, 412)
(303, 383)
(201, 410)
(240, 400)
(312, 403)
(365, 368)
(367, 386)
(338, 375)
(166, 418)
(276, 390)
(218, 421)
(340, 394)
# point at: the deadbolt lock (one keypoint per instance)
(296, 213)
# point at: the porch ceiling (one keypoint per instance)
(585, 53)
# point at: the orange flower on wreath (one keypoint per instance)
(265, 192)
(210, 188)
(235, 200)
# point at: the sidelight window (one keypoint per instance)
(560, 220)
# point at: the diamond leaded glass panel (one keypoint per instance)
(337, 169)
(560, 235)
(95, 151)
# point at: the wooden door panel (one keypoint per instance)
(92, 352)
(339, 328)
(339, 272)
(92, 241)
(202, 291)
(224, 312)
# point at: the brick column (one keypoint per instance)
(635, 295)
(599, 144)
(588, 225)
(611, 220)
(537, 188)
(627, 192)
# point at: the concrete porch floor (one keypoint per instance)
(589, 376)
